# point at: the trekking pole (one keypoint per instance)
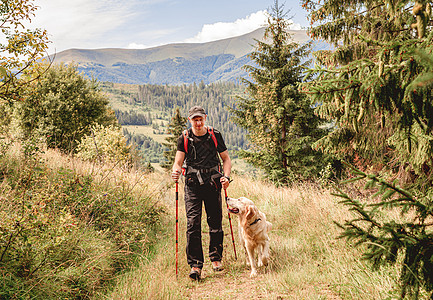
(177, 224)
(231, 228)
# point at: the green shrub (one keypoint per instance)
(62, 107)
(105, 144)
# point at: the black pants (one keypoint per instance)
(211, 196)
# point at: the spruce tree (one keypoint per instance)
(279, 119)
(406, 240)
(376, 86)
(176, 126)
(365, 87)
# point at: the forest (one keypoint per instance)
(132, 118)
(151, 103)
(216, 99)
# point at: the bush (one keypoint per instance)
(63, 107)
(106, 144)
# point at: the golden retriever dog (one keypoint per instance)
(253, 231)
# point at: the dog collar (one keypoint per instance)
(258, 219)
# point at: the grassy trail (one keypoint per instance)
(307, 259)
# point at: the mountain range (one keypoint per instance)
(173, 64)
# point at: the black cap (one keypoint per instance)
(196, 111)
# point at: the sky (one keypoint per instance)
(139, 24)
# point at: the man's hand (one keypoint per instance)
(225, 182)
(177, 166)
(175, 174)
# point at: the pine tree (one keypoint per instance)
(376, 86)
(406, 240)
(175, 128)
(365, 85)
(279, 119)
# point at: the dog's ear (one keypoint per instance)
(250, 212)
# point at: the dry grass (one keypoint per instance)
(131, 181)
(79, 223)
(308, 261)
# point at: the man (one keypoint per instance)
(203, 183)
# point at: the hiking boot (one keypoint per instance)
(195, 273)
(217, 266)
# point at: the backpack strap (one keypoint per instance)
(185, 140)
(209, 130)
(185, 146)
(212, 134)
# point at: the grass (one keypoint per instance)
(308, 260)
(120, 95)
(102, 232)
(67, 227)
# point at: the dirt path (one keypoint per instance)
(235, 283)
(227, 285)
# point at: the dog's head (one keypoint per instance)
(243, 207)
(238, 206)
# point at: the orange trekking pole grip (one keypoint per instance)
(177, 224)
(231, 228)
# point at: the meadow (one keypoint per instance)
(91, 231)
(308, 260)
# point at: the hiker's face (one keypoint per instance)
(198, 122)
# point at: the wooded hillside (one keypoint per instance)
(154, 105)
(215, 98)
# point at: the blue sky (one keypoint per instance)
(93, 24)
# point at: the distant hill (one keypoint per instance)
(172, 64)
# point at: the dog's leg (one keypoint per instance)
(250, 250)
(243, 243)
(265, 253)
(259, 255)
(247, 257)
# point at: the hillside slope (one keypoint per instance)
(182, 63)
(308, 261)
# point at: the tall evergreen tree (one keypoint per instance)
(279, 119)
(175, 128)
(365, 85)
(378, 92)
(406, 240)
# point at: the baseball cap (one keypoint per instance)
(196, 111)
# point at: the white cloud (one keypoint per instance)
(137, 46)
(117, 23)
(222, 30)
(80, 21)
(295, 26)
